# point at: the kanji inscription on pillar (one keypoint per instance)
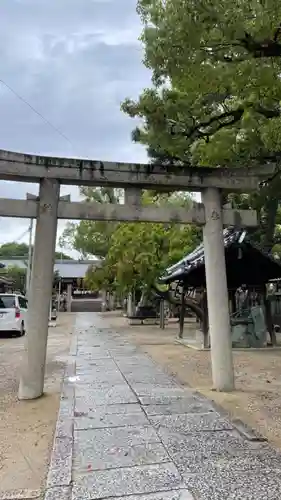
(215, 215)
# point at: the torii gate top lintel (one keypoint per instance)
(31, 168)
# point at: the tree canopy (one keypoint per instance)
(14, 249)
(87, 237)
(133, 254)
(17, 275)
(138, 255)
(216, 88)
(139, 252)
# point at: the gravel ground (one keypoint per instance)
(27, 428)
(257, 399)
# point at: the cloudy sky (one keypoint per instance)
(74, 61)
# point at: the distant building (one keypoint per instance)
(70, 271)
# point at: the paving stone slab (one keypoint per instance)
(164, 495)
(267, 461)
(93, 441)
(108, 455)
(200, 451)
(23, 494)
(92, 378)
(99, 377)
(148, 378)
(88, 367)
(66, 407)
(94, 355)
(68, 388)
(141, 376)
(101, 386)
(97, 364)
(189, 423)
(112, 395)
(116, 420)
(70, 367)
(127, 481)
(99, 373)
(83, 410)
(104, 390)
(61, 493)
(64, 427)
(163, 400)
(60, 470)
(173, 392)
(123, 351)
(134, 360)
(228, 485)
(209, 442)
(151, 389)
(190, 405)
(165, 395)
(86, 349)
(128, 366)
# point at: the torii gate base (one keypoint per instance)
(51, 172)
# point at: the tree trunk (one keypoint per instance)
(270, 208)
(144, 297)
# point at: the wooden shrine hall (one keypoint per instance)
(248, 267)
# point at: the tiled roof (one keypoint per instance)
(196, 258)
(65, 268)
(6, 281)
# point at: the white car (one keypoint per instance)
(13, 312)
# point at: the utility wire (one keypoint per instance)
(37, 112)
(23, 235)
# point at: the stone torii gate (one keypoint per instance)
(50, 173)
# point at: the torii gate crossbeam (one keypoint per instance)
(50, 173)
(119, 213)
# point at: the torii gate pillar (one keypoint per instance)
(34, 359)
(217, 293)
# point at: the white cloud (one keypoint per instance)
(74, 61)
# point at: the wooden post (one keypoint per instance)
(205, 321)
(268, 317)
(162, 314)
(182, 313)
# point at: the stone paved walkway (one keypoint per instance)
(126, 428)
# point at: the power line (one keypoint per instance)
(37, 112)
(23, 235)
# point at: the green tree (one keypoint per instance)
(216, 91)
(14, 249)
(139, 252)
(17, 274)
(88, 237)
(138, 255)
(62, 256)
